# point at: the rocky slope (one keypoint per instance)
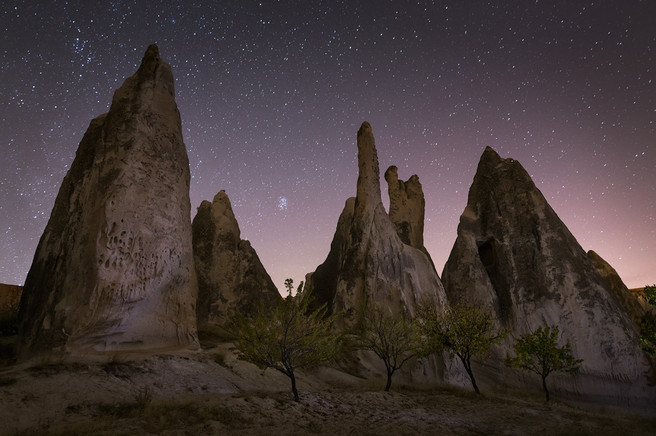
(114, 267)
(634, 306)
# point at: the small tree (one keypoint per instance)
(648, 333)
(392, 338)
(286, 336)
(465, 331)
(539, 352)
(648, 322)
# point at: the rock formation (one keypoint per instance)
(368, 262)
(230, 274)
(9, 299)
(634, 306)
(514, 254)
(407, 206)
(114, 267)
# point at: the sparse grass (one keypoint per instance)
(50, 368)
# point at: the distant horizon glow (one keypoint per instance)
(271, 96)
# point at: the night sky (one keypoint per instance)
(272, 94)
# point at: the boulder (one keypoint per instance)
(514, 255)
(114, 267)
(230, 274)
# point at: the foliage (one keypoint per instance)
(650, 294)
(286, 336)
(462, 330)
(648, 322)
(648, 332)
(392, 338)
(539, 352)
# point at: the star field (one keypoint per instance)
(271, 94)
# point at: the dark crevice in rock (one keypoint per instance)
(487, 252)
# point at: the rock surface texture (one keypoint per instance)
(633, 305)
(114, 267)
(407, 206)
(368, 262)
(230, 274)
(514, 254)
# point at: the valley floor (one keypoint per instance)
(211, 392)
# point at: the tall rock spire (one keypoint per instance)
(368, 263)
(114, 267)
(368, 188)
(514, 254)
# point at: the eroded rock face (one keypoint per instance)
(368, 262)
(635, 307)
(230, 274)
(407, 206)
(114, 267)
(515, 255)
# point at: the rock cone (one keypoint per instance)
(368, 262)
(230, 274)
(514, 254)
(114, 267)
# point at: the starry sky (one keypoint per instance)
(272, 93)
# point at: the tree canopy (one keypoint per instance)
(648, 322)
(539, 352)
(286, 336)
(392, 338)
(463, 330)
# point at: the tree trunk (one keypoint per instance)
(389, 381)
(467, 365)
(294, 391)
(544, 386)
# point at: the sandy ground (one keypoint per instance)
(211, 392)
